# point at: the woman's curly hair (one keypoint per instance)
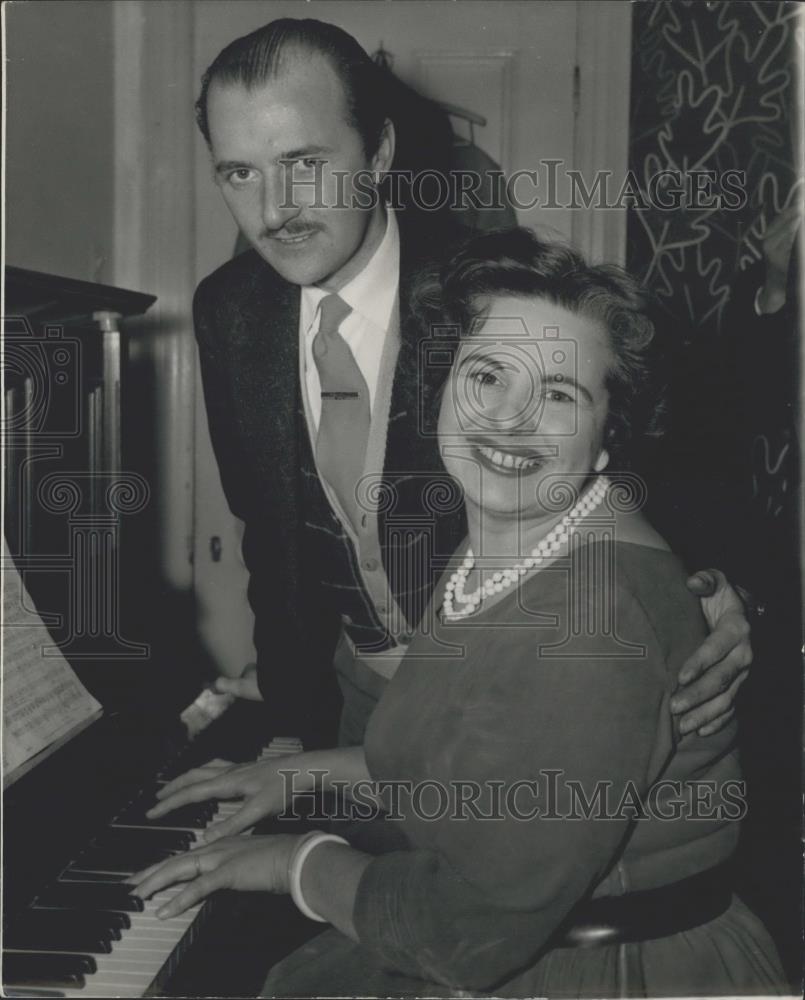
(447, 302)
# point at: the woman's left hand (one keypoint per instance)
(247, 863)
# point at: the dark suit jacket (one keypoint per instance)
(246, 320)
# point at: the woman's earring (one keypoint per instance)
(602, 461)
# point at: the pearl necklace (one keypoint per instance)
(500, 580)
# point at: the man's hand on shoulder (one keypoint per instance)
(778, 242)
(710, 678)
(244, 686)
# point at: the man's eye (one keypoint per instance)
(239, 176)
(307, 163)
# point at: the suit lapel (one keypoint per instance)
(412, 463)
(267, 390)
(407, 447)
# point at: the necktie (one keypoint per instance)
(345, 412)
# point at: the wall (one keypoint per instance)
(59, 142)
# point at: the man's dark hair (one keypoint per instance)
(256, 58)
(517, 262)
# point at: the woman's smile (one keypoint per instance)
(509, 462)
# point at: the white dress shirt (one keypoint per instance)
(371, 295)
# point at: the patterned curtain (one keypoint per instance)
(712, 90)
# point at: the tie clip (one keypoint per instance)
(340, 395)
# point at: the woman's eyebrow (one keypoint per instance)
(477, 355)
(559, 379)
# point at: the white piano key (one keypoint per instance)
(129, 963)
(104, 989)
(152, 920)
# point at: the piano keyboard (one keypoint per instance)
(85, 935)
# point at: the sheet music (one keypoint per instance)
(43, 699)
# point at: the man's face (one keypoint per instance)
(269, 144)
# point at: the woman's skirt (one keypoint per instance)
(732, 955)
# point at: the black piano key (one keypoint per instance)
(126, 862)
(107, 923)
(46, 969)
(195, 817)
(60, 961)
(81, 873)
(149, 797)
(179, 819)
(112, 922)
(58, 935)
(105, 878)
(44, 982)
(126, 838)
(204, 808)
(89, 897)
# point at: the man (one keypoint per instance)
(313, 413)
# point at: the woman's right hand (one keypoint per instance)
(261, 786)
(265, 787)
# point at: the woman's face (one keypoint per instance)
(526, 399)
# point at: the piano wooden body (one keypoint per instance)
(74, 825)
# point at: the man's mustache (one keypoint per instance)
(290, 229)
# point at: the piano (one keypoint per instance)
(75, 828)
(74, 824)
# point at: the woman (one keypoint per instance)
(550, 832)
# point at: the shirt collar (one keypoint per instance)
(371, 293)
